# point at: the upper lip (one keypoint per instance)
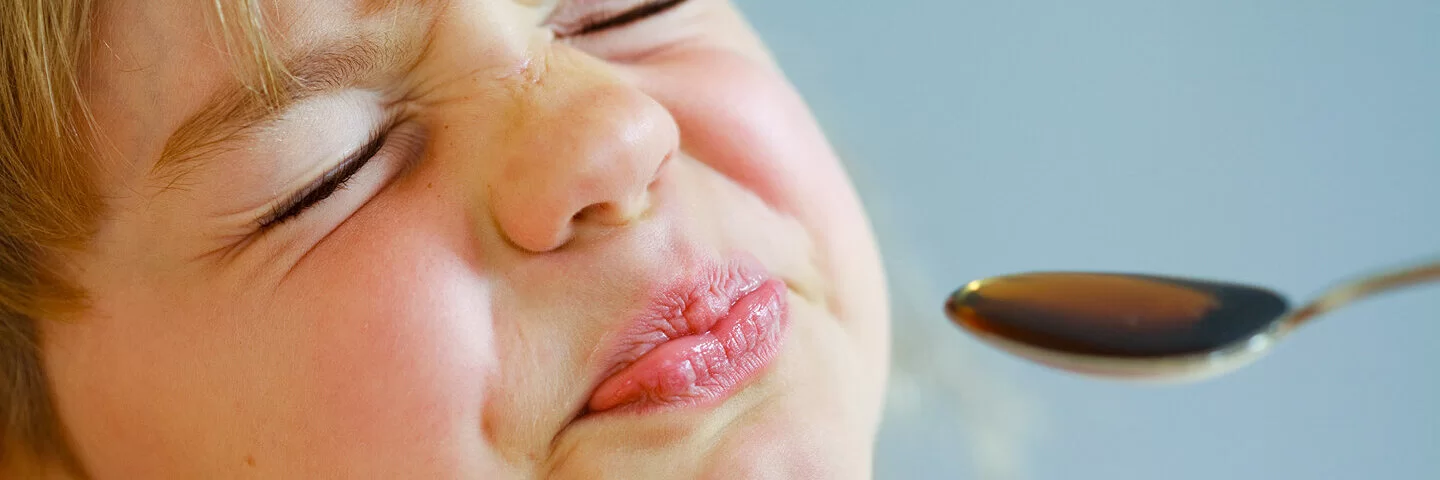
(690, 306)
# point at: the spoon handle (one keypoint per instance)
(1360, 289)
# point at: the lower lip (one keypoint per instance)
(707, 367)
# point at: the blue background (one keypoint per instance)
(1290, 144)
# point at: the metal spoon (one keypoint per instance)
(1144, 326)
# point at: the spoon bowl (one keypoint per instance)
(1144, 327)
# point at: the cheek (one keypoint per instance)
(398, 337)
(742, 118)
(370, 360)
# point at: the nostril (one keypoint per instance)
(590, 213)
(614, 213)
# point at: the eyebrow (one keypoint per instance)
(236, 110)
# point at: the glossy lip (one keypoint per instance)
(697, 343)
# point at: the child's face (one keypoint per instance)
(475, 300)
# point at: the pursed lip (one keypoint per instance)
(697, 342)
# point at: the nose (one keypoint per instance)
(583, 152)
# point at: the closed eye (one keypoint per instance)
(322, 188)
(606, 20)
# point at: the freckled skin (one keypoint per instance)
(439, 316)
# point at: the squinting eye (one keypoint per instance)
(394, 148)
(321, 189)
(594, 16)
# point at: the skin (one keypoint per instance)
(441, 316)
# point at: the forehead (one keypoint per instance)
(153, 63)
(156, 64)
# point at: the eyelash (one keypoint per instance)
(330, 182)
(606, 20)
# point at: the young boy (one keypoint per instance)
(424, 239)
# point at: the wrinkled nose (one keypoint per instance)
(584, 152)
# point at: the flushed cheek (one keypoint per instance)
(399, 346)
(747, 123)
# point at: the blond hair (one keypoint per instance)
(47, 205)
(48, 200)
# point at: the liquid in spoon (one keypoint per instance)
(1115, 315)
(1147, 326)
